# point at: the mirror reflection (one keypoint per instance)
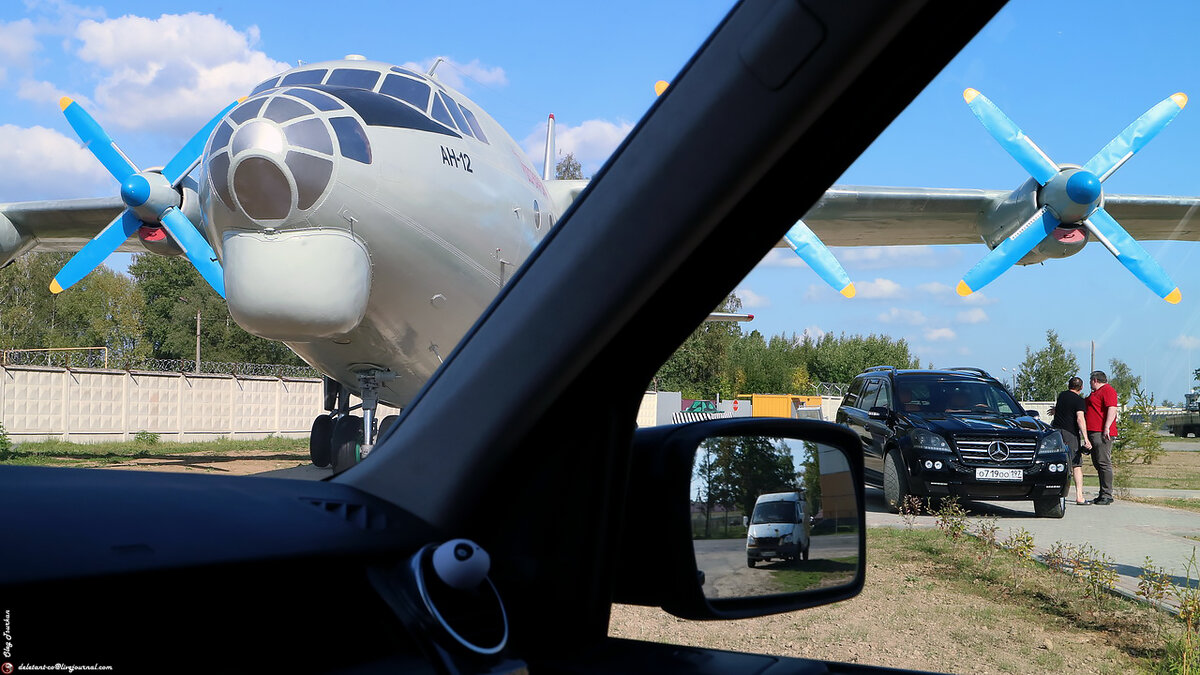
(772, 515)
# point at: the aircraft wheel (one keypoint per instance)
(347, 442)
(320, 441)
(385, 424)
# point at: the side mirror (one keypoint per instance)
(1032, 413)
(682, 490)
(879, 413)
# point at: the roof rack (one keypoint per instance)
(874, 369)
(979, 371)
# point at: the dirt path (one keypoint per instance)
(233, 463)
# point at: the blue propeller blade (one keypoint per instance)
(97, 140)
(1005, 255)
(1135, 136)
(1131, 254)
(1011, 138)
(189, 155)
(195, 247)
(818, 256)
(95, 251)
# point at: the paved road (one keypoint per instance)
(1125, 531)
(726, 574)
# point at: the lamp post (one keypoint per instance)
(197, 332)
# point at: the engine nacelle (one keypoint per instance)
(13, 243)
(1064, 242)
(156, 240)
(1008, 215)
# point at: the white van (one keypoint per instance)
(778, 528)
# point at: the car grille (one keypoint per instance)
(974, 450)
(766, 542)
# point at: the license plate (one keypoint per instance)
(766, 554)
(999, 474)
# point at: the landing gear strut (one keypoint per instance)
(344, 439)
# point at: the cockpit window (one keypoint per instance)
(269, 84)
(407, 89)
(456, 114)
(247, 110)
(440, 113)
(352, 139)
(319, 100)
(353, 77)
(385, 111)
(283, 109)
(406, 71)
(304, 77)
(473, 122)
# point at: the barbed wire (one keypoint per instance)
(832, 388)
(96, 360)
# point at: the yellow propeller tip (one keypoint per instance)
(1180, 99)
(969, 94)
(963, 289)
(56, 289)
(1174, 296)
(64, 102)
(660, 87)
(848, 291)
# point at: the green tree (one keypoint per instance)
(1137, 440)
(172, 292)
(810, 477)
(568, 168)
(744, 467)
(1121, 377)
(1044, 373)
(700, 367)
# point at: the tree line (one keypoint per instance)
(720, 359)
(149, 314)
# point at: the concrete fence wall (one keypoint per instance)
(91, 406)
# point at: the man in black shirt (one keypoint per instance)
(1069, 419)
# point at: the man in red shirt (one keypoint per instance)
(1101, 418)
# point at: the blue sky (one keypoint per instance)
(1071, 74)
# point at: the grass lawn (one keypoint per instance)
(1176, 470)
(59, 453)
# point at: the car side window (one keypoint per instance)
(854, 394)
(885, 394)
(868, 396)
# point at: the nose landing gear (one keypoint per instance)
(340, 438)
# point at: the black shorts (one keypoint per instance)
(1072, 441)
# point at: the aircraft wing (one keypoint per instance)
(56, 225)
(884, 216)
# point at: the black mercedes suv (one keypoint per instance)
(936, 433)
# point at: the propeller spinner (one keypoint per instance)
(1072, 195)
(152, 199)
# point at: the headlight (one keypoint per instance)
(750, 541)
(927, 440)
(1052, 442)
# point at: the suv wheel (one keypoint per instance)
(895, 481)
(1053, 507)
(750, 562)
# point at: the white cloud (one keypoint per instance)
(456, 75)
(975, 315)
(782, 257)
(879, 289)
(935, 334)
(964, 351)
(935, 288)
(146, 86)
(814, 332)
(948, 295)
(875, 257)
(18, 42)
(752, 300)
(591, 142)
(979, 299)
(1186, 342)
(40, 91)
(41, 163)
(907, 316)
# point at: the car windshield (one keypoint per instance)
(774, 512)
(951, 396)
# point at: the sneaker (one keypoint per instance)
(1102, 501)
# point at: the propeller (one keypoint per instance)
(151, 198)
(1072, 195)
(818, 256)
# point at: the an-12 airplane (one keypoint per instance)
(366, 214)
